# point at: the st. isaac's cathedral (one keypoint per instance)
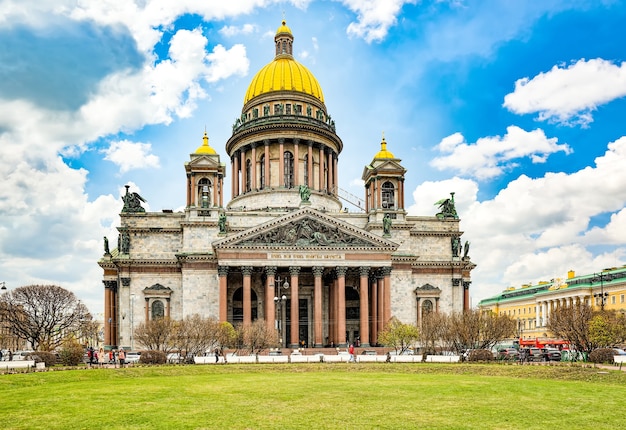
(284, 250)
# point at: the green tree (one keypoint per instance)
(607, 329)
(398, 335)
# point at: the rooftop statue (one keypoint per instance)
(132, 202)
(305, 193)
(446, 208)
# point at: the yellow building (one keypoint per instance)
(531, 305)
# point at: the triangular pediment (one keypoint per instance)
(205, 161)
(387, 166)
(306, 229)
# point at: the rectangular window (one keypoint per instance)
(255, 113)
(288, 109)
(298, 109)
(612, 300)
(621, 298)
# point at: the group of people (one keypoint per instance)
(101, 357)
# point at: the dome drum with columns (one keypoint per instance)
(348, 272)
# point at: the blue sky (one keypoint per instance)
(517, 107)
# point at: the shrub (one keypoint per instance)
(71, 354)
(480, 355)
(602, 355)
(43, 357)
(153, 357)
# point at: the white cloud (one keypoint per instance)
(537, 229)
(131, 155)
(374, 17)
(569, 94)
(490, 156)
(231, 30)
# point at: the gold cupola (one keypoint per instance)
(284, 73)
(205, 148)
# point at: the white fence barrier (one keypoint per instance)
(21, 364)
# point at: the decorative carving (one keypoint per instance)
(125, 243)
(466, 250)
(456, 282)
(125, 282)
(341, 271)
(318, 271)
(294, 270)
(110, 285)
(222, 270)
(364, 271)
(132, 202)
(247, 270)
(466, 284)
(306, 232)
(456, 246)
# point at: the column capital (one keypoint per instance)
(341, 271)
(294, 270)
(246, 270)
(318, 271)
(110, 285)
(222, 270)
(271, 270)
(364, 271)
(385, 271)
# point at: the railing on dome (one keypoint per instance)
(244, 124)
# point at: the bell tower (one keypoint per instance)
(384, 186)
(205, 180)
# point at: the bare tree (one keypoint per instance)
(571, 323)
(434, 332)
(398, 335)
(156, 334)
(475, 329)
(43, 315)
(195, 335)
(256, 337)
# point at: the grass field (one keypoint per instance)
(317, 396)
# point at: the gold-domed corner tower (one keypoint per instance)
(284, 139)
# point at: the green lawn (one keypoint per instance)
(316, 396)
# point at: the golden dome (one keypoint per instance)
(283, 28)
(205, 148)
(284, 73)
(383, 153)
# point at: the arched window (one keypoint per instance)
(388, 196)
(248, 175)
(158, 310)
(427, 307)
(306, 170)
(262, 171)
(288, 163)
(204, 192)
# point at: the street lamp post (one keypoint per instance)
(601, 296)
(279, 302)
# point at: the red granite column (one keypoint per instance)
(332, 314)
(387, 290)
(310, 166)
(466, 296)
(244, 179)
(317, 307)
(270, 308)
(341, 305)
(364, 307)
(281, 162)
(294, 271)
(321, 169)
(253, 185)
(381, 301)
(222, 272)
(267, 163)
(108, 316)
(247, 295)
(296, 163)
(374, 312)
